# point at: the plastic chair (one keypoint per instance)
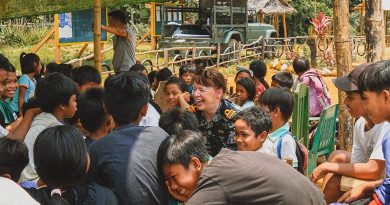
(300, 116)
(324, 137)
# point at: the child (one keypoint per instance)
(251, 128)
(93, 116)
(56, 95)
(175, 120)
(319, 97)
(62, 162)
(231, 177)
(139, 68)
(86, 77)
(14, 158)
(245, 91)
(186, 73)
(31, 65)
(8, 116)
(65, 69)
(366, 160)
(161, 78)
(280, 103)
(282, 79)
(259, 70)
(176, 93)
(243, 73)
(152, 80)
(51, 68)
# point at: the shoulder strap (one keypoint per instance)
(279, 145)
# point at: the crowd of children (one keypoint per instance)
(159, 138)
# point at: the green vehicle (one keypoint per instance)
(224, 22)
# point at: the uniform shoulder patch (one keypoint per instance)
(230, 113)
(192, 108)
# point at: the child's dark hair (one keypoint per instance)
(301, 65)
(186, 68)
(85, 74)
(13, 157)
(91, 109)
(51, 67)
(151, 76)
(175, 120)
(65, 69)
(61, 157)
(137, 68)
(54, 90)
(375, 77)
(177, 81)
(124, 96)
(28, 62)
(258, 119)
(180, 148)
(200, 66)
(281, 98)
(249, 86)
(250, 73)
(163, 74)
(5, 64)
(259, 70)
(118, 15)
(283, 79)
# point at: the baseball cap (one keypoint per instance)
(349, 83)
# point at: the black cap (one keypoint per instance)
(349, 83)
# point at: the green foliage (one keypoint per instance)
(21, 35)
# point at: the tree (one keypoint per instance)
(375, 32)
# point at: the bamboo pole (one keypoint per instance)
(285, 29)
(97, 17)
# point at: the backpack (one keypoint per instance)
(321, 99)
(301, 152)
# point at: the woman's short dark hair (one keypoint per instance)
(186, 68)
(259, 70)
(28, 61)
(91, 110)
(163, 74)
(13, 157)
(375, 77)
(61, 156)
(177, 81)
(118, 15)
(258, 119)
(283, 79)
(211, 78)
(175, 120)
(281, 98)
(249, 86)
(301, 65)
(54, 90)
(180, 148)
(124, 96)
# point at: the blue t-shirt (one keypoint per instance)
(383, 191)
(29, 84)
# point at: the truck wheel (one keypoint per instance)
(233, 44)
(269, 49)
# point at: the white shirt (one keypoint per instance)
(367, 145)
(12, 194)
(248, 104)
(3, 132)
(151, 118)
(39, 123)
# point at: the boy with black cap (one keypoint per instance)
(366, 160)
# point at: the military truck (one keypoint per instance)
(224, 22)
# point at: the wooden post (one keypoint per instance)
(153, 26)
(57, 54)
(361, 21)
(285, 29)
(375, 34)
(166, 58)
(218, 54)
(97, 19)
(344, 65)
(44, 40)
(82, 50)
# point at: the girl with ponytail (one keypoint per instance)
(31, 65)
(62, 162)
(259, 70)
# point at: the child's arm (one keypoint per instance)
(117, 31)
(183, 100)
(370, 170)
(359, 192)
(21, 131)
(22, 93)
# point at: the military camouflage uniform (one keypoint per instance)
(220, 130)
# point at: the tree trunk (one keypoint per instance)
(312, 43)
(344, 65)
(375, 33)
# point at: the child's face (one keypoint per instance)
(241, 93)
(377, 105)
(71, 108)
(3, 80)
(246, 139)
(188, 77)
(355, 104)
(181, 182)
(172, 93)
(12, 84)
